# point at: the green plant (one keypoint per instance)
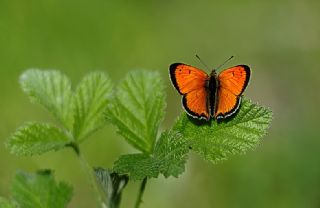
(136, 108)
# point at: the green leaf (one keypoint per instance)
(171, 153)
(168, 159)
(112, 185)
(216, 141)
(52, 89)
(91, 99)
(36, 138)
(138, 108)
(40, 190)
(137, 166)
(4, 203)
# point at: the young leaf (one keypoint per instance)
(112, 185)
(217, 141)
(40, 190)
(36, 138)
(138, 108)
(168, 159)
(91, 99)
(52, 89)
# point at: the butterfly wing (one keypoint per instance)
(232, 83)
(192, 84)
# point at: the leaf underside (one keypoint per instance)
(112, 185)
(168, 159)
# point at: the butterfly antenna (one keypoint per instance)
(202, 61)
(226, 61)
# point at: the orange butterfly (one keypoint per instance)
(204, 96)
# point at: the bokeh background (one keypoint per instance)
(279, 39)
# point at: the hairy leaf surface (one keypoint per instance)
(169, 159)
(36, 138)
(216, 141)
(91, 98)
(138, 108)
(171, 153)
(137, 166)
(52, 89)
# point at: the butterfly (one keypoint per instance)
(216, 96)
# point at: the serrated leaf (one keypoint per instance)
(112, 185)
(171, 153)
(137, 166)
(40, 190)
(36, 138)
(169, 159)
(91, 98)
(52, 89)
(216, 141)
(138, 108)
(4, 203)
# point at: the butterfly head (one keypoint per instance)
(213, 73)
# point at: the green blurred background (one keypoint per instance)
(280, 40)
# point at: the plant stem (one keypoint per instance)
(89, 172)
(141, 191)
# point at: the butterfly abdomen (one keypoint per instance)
(213, 86)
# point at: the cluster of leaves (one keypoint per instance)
(136, 108)
(137, 111)
(78, 112)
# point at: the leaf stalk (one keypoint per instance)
(89, 172)
(141, 191)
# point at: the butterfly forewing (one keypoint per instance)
(232, 83)
(192, 84)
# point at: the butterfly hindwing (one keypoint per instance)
(227, 103)
(232, 83)
(192, 84)
(196, 104)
